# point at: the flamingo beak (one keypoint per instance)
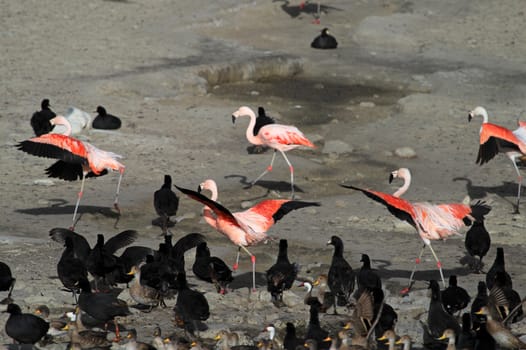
(470, 116)
(199, 189)
(391, 178)
(233, 119)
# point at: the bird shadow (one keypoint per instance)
(244, 280)
(60, 209)
(507, 188)
(308, 8)
(383, 267)
(278, 186)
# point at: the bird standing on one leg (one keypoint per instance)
(76, 159)
(496, 139)
(431, 221)
(244, 228)
(280, 137)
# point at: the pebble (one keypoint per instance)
(44, 182)
(405, 152)
(336, 147)
(367, 104)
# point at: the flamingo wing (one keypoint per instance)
(283, 135)
(266, 213)
(70, 171)
(56, 146)
(397, 206)
(493, 137)
(217, 208)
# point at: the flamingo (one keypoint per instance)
(76, 159)
(431, 221)
(277, 136)
(497, 139)
(244, 228)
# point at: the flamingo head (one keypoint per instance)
(402, 173)
(478, 112)
(242, 111)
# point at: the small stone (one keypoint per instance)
(336, 147)
(246, 204)
(44, 182)
(367, 104)
(405, 152)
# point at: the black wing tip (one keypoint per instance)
(351, 187)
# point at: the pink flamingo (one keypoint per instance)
(431, 221)
(279, 137)
(244, 228)
(497, 139)
(77, 159)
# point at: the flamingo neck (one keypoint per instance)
(405, 186)
(250, 129)
(211, 186)
(60, 120)
(484, 114)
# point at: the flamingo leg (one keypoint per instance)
(291, 174)
(411, 282)
(439, 265)
(236, 265)
(78, 201)
(519, 182)
(268, 169)
(116, 201)
(253, 258)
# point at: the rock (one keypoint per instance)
(336, 147)
(44, 182)
(246, 204)
(292, 299)
(405, 152)
(366, 104)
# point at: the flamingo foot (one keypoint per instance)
(316, 21)
(405, 291)
(235, 267)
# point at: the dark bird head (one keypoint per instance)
(335, 240)
(13, 309)
(167, 181)
(365, 259)
(325, 32)
(101, 110)
(45, 104)
(453, 281)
